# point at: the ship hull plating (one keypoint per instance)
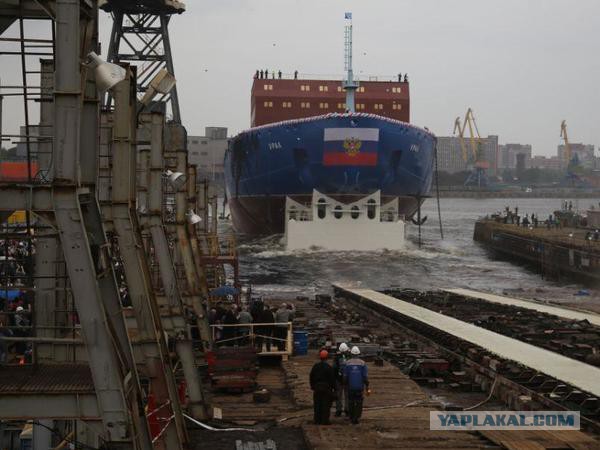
(346, 156)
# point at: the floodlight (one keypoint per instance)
(162, 83)
(192, 217)
(107, 74)
(175, 179)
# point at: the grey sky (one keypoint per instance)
(522, 65)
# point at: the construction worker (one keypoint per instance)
(356, 380)
(339, 364)
(322, 383)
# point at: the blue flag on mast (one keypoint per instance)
(348, 15)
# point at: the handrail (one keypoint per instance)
(263, 340)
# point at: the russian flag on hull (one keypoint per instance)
(350, 146)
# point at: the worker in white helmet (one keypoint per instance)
(339, 364)
(356, 380)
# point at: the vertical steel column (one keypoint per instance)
(166, 265)
(151, 337)
(177, 139)
(110, 380)
(47, 254)
(164, 24)
(193, 230)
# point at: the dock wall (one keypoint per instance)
(553, 252)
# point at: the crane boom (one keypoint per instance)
(474, 136)
(461, 130)
(563, 134)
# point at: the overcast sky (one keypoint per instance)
(522, 65)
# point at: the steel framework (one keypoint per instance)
(140, 34)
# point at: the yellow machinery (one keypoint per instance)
(563, 134)
(478, 175)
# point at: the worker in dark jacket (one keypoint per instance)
(322, 382)
(357, 380)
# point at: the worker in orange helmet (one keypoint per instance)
(322, 383)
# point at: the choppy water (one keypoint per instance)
(455, 261)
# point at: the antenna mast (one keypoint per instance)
(349, 84)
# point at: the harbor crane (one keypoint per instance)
(476, 158)
(573, 168)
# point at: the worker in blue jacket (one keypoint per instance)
(356, 380)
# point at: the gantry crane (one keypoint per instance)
(476, 159)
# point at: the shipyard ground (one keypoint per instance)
(396, 414)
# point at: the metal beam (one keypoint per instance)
(166, 265)
(127, 229)
(109, 372)
(49, 406)
(25, 197)
(176, 147)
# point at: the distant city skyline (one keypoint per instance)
(522, 66)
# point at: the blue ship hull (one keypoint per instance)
(265, 164)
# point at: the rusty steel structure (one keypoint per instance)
(107, 342)
(140, 34)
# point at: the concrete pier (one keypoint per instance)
(556, 252)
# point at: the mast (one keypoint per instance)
(349, 84)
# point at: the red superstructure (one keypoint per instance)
(274, 100)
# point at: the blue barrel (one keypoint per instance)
(300, 342)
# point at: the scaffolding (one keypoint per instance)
(100, 281)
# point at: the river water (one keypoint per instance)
(455, 261)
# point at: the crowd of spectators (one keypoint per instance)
(270, 331)
(15, 300)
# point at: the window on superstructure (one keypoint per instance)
(323, 105)
(268, 104)
(339, 89)
(397, 90)
(361, 89)
(397, 106)
(305, 105)
(268, 87)
(286, 104)
(305, 87)
(323, 88)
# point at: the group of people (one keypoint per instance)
(15, 269)
(264, 74)
(260, 313)
(347, 381)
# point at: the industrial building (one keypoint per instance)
(545, 162)
(450, 157)
(207, 153)
(513, 156)
(584, 152)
